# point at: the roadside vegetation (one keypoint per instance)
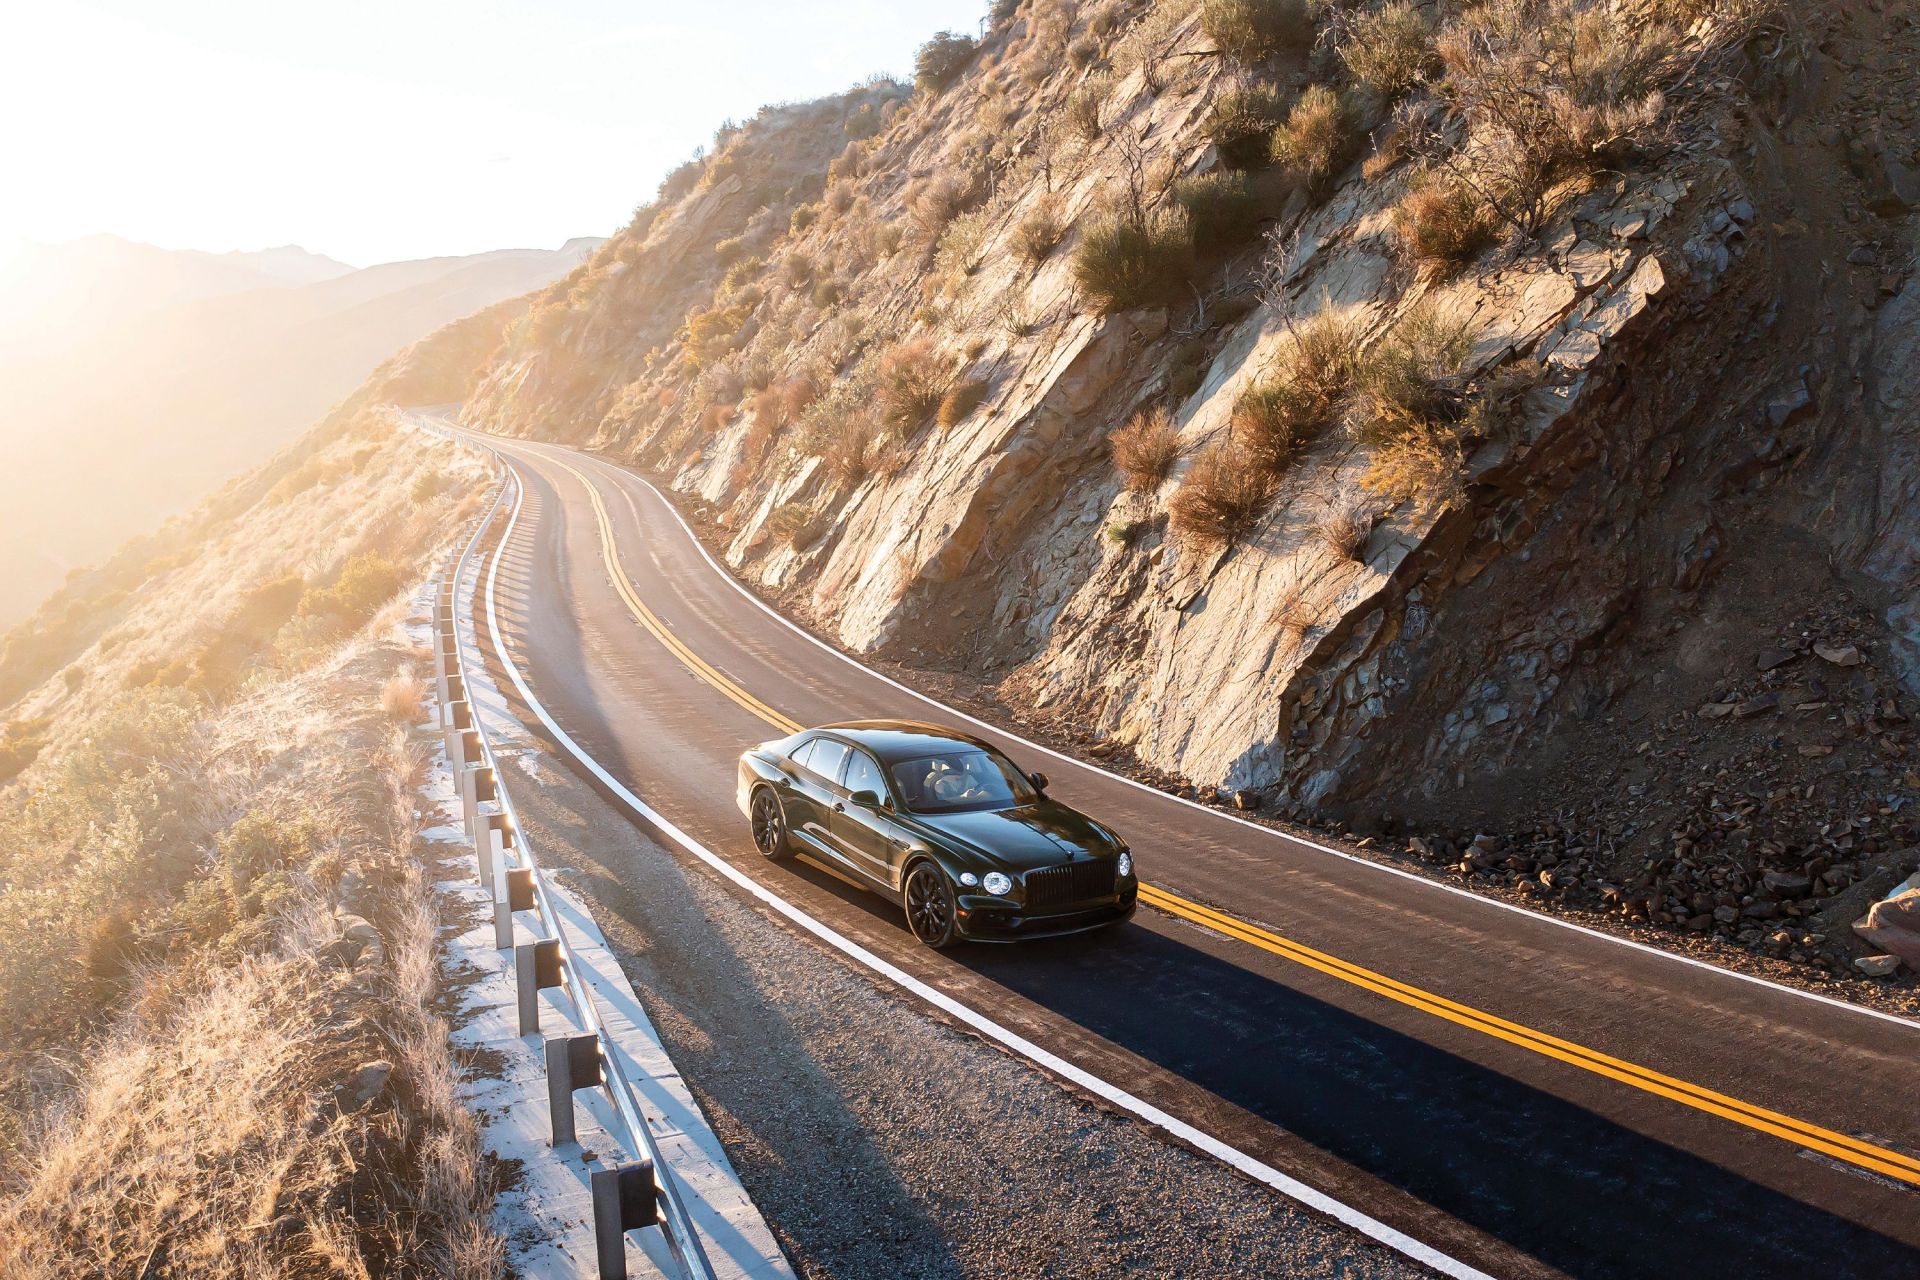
(216, 942)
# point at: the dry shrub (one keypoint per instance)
(1322, 133)
(795, 395)
(1146, 449)
(913, 378)
(1128, 259)
(1241, 124)
(1222, 209)
(962, 400)
(1412, 381)
(932, 204)
(1550, 88)
(1083, 53)
(1253, 30)
(1302, 393)
(1388, 50)
(939, 61)
(1440, 224)
(1083, 109)
(1040, 232)
(1222, 498)
(795, 526)
(1429, 468)
(1344, 524)
(404, 696)
(1410, 402)
(1291, 615)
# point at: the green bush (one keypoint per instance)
(20, 744)
(941, 59)
(1222, 209)
(1241, 125)
(1253, 30)
(1128, 260)
(365, 582)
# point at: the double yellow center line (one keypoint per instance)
(1864, 1155)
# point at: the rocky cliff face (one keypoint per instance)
(1702, 477)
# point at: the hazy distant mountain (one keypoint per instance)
(140, 379)
(52, 293)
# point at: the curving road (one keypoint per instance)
(1508, 1093)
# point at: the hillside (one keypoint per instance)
(1416, 420)
(191, 368)
(218, 961)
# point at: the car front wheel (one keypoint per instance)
(930, 906)
(769, 826)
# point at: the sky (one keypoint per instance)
(374, 132)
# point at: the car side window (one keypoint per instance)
(827, 758)
(864, 775)
(801, 752)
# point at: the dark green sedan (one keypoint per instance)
(943, 824)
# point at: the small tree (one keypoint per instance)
(941, 60)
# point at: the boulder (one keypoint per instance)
(1893, 925)
(365, 1084)
(1877, 966)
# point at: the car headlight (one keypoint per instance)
(998, 884)
(1124, 864)
(969, 879)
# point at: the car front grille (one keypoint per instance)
(1076, 882)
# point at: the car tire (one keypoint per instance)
(770, 826)
(932, 912)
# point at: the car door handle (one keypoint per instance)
(787, 783)
(838, 807)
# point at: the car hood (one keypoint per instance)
(1033, 835)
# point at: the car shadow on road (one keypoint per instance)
(1560, 1182)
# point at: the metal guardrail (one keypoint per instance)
(636, 1195)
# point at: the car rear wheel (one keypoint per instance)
(930, 906)
(769, 826)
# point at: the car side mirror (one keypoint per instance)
(866, 799)
(1038, 779)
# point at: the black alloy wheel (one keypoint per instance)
(930, 906)
(769, 826)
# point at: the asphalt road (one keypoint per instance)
(1527, 1097)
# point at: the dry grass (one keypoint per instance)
(1550, 88)
(1441, 224)
(1146, 449)
(1083, 109)
(1222, 209)
(1039, 232)
(1240, 124)
(962, 400)
(1302, 393)
(1343, 525)
(206, 1135)
(1321, 136)
(1127, 260)
(1412, 382)
(1389, 50)
(404, 696)
(1254, 30)
(913, 379)
(1222, 498)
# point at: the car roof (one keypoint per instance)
(896, 740)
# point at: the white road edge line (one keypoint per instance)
(797, 629)
(1239, 1160)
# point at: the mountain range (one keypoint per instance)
(134, 379)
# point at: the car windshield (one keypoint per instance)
(960, 780)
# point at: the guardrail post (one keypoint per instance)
(492, 847)
(476, 788)
(536, 966)
(459, 722)
(510, 884)
(624, 1199)
(573, 1062)
(455, 691)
